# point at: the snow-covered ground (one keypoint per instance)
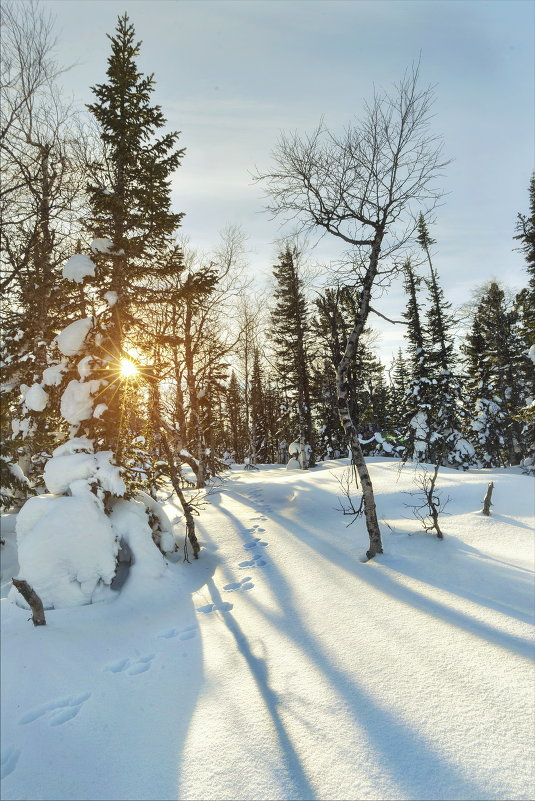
(280, 666)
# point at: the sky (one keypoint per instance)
(232, 74)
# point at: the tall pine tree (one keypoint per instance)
(290, 336)
(131, 217)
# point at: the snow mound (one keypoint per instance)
(52, 375)
(111, 298)
(102, 245)
(74, 467)
(71, 339)
(61, 471)
(131, 525)
(67, 551)
(76, 402)
(78, 267)
(36, 398)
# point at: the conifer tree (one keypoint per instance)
(234, 406)
(257, 432)
(399, 387)
(290, 336)
(496, 364)
(435, 431)
(525, 303)
(131, 217)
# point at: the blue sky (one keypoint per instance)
(231, 74)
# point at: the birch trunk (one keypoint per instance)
(342, 391)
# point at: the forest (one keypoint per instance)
(260, 561)
(130, 361)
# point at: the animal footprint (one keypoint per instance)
(183, 634)
(244, 584)
(61, 711)
(118, 666)
(8, 762)
(256, 541)
(141, 665)
(168, 634)
(256, 561)
(188, 633)
(221, 607)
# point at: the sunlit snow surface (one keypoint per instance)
(280, 666)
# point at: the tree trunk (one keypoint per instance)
(190, 523)
(487, 500)
(31, 597)
(342, 391)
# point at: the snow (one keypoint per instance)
(278, 665)
(66, 550)
(71, 339)
(74, 463)
(102, 245)
(84, 367)
(35, 398)
(79, 267)
(16, 470)
(61, 471)
(111, 298)
(99, 410)
(77, 402)
(52, 376)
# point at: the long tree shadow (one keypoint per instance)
(260, 673)
(419, 771)
(499, 574)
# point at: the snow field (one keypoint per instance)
(279, 666)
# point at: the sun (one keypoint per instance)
(128, 369)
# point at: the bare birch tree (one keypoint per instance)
(365, 187)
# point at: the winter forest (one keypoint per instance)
(154, 395)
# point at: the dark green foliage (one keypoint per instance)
(290, 337)
(435, 419)
(131, 206)
(496, 367)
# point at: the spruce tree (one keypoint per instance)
(131, 217)
(525, 304)
(496, 367)
(435, 431)
(290, 336)
(257, 432)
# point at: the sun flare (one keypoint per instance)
(128, 369)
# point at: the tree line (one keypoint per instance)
(97, 279)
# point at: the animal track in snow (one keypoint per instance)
(256, 561)
(132, 667)
(118, 666)
(141, 665)
(253, 543)
(220, 607)
(183, 634)
(244, 584)
(59, 711)
(8, 763)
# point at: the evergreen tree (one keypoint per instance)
(414, 330)
(488, 419)
(435, 431)
(236, 442)
(496, 366)
(257, 432)
(131, 217)
(525, 303)
(290, 336)
(399, 389)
